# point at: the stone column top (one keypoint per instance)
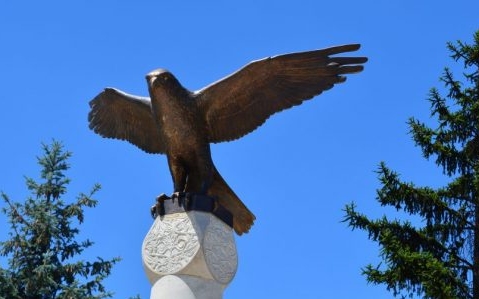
(189, 255)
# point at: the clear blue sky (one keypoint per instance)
(295, 173)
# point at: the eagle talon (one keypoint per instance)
(178, 195)
(153, 211)
(160, 199)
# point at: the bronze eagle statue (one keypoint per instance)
(182, 123)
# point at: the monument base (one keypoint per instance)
(189, 254)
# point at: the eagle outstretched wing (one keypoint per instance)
(238, 104)
(115, 114)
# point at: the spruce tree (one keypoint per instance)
(439, 258)
(42, 251)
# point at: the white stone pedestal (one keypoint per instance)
(189, 255)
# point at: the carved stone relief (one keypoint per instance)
(171, 244)
(220, 251)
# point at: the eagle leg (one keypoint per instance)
(178, 174)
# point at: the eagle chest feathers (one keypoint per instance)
(175, 111)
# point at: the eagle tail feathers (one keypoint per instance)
(243, 218)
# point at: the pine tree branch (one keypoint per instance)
(18, 216)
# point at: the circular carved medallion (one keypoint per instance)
(171, 244)
(220, 251)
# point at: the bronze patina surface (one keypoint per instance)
(182, 124)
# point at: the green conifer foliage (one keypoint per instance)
(42, 249)
(439, 259)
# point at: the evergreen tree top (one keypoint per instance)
(43, 250)
(441, 258)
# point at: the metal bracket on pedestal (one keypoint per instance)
(185, 202)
